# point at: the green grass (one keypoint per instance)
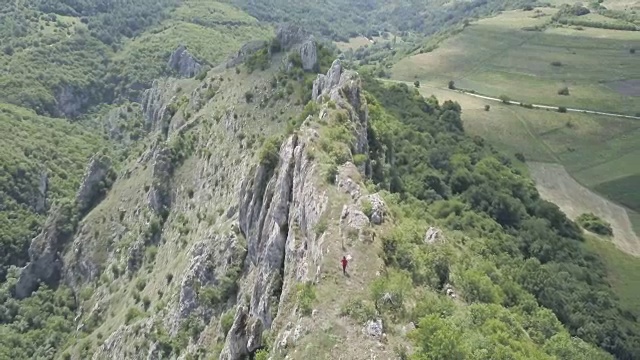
(495, 56)
(623, 272)
(600, 152)
(623, 190)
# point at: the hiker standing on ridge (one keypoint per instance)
(344, 262)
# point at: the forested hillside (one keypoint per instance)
(155, 205)
(61, 58)
(343, 19)
(515, 249)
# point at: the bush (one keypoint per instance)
(306, 297)
(632, 51)
(556, 63)
(520, 157)
(452, 85)
(487, 107)
(269, 154)
(562, 109)
(594, 224)
(367, 208)
(416, 84)
(359, 159)
(331, 174)
(261, 354)
(564, 91)
(226, 321)
(505, 99)
(132, 314)
(248, 96)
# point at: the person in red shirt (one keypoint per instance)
(344, 265)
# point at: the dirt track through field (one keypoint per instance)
(556, 185)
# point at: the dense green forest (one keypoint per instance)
(61, 58)
(528, 282)
(33, 147)
(517, 249)
(340, 20)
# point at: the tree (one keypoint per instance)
(452, 85)
(416, 84)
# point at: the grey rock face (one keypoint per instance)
(183, 63)
(245, 51)
(378, 209)
(345, 180)
(154, 103)
(40, 203)
(374, 328)
(45, 261)
(290, 36)
(353, 218)
(209, 262)
(309, 56)
(432, 236)
(159, 196)
(344, 88)
(96, 178)
(277, 214)
(70, 101)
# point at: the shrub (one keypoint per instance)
(452, 85)
(367, 208)
(132, 314)
(306, 297)
(359, 159)
(564, 91)
(556, 63)
(169, 278)
(594, 224)
(520, 157)
(358, 310)
(487, 107)
(416, 84)
(562, 109)
(332, 172)
(226, 321)
(269, 155)
(248, 96)
(505, 99)
(261, 354)
(141, 284)
(632, 51)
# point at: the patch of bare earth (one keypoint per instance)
(557, 186)
(626, 87)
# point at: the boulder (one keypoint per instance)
(183, 63)
(97, 178)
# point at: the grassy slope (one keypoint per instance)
(32, 145)
(53, 53)
(623, 269)
(197, 25)
(494, 57)
(600, 152)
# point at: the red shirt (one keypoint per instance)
(344, 262)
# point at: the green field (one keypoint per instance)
(496, 56)
(598, 151)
